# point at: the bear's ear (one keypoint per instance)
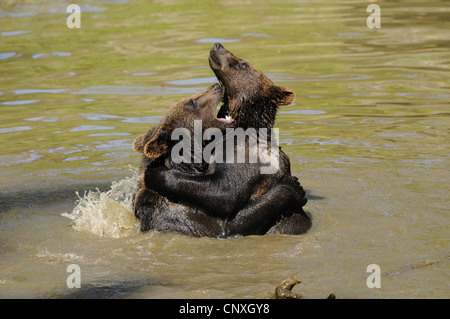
(140, 141)
(157, 145)
(138, 144)
(282, 96)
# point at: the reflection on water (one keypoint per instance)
(144, 73)
(11, 33)
(367, 135)
(20, 102)
(137, 90)
(285, 77)
(91, 128)
(34, 91)
(6, 55)
(15, 129)
(214, 40)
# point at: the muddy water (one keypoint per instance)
(367, 135)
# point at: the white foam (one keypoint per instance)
(107, 214)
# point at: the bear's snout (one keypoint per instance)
(217, 87)
(216, 53)
(217, 46)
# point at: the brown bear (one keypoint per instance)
(177, 214)
(228, 189)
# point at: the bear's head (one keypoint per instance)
(201, 106)
(252, 99)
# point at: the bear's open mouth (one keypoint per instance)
(227, 119)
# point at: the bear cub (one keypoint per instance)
(248, 202)
(178, 213)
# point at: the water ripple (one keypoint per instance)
(14, 129)
(137, 90)
(214, 40)
(303, 112)
(144, 119)
(12, 33)
(287, 77)
(20, 102)
(83, 128)
(35, 91)
(6, 55)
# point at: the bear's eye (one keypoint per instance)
(192, 103)
(243, 65)
(233, 62)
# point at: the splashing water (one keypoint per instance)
(107, 214)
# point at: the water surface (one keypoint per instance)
(368, 136)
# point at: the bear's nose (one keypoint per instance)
(218, 46)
